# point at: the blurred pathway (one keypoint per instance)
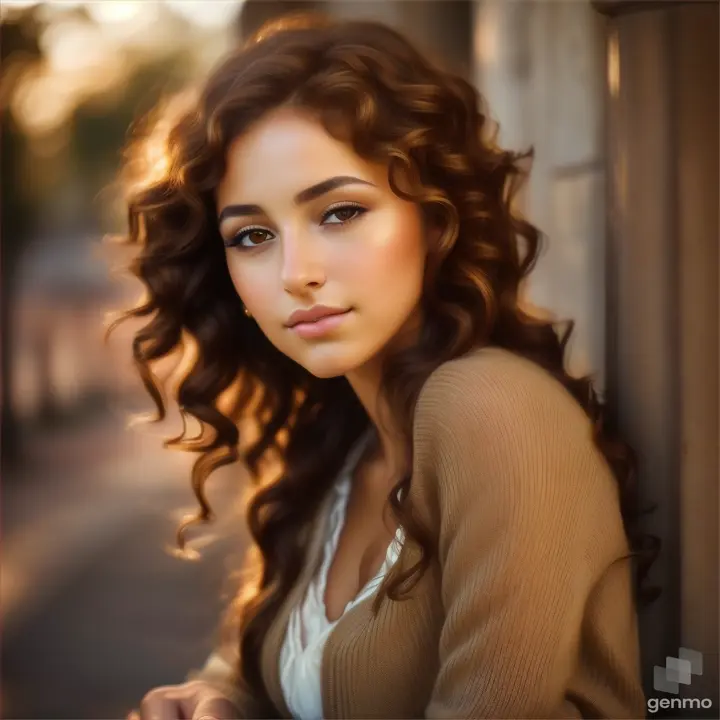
(95, 611)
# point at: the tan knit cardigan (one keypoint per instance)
(527, 610)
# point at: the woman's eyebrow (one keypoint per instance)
(303, 197)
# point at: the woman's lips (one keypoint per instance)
(318, 328)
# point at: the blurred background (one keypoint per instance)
(619, 100)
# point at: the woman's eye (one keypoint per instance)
(252, 237)
(344, 214)
(255, 236)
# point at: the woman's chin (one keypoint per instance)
(330, 362)
(327, 370)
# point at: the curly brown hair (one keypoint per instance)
(373, 89)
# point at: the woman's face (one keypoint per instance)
(307, 223)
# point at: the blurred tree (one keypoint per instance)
(99, 132)
(96, 132)
(19, 48)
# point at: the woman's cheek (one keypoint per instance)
(398, 260)
(392, 247)
(249, 290)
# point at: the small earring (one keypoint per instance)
(247, 312)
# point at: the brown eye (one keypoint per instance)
(344, 213)
(248, 238)
(256, 236)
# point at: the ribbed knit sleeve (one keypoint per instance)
(527, 520)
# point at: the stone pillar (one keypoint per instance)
(663, 259)
(540, 67)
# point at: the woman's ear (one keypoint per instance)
(433, 232)
(433, 226)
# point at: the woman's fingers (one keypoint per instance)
(160, 704)
(214, 708)
(190, 701)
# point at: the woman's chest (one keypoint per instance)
(368, 665)
(384, 664)
(359, 551)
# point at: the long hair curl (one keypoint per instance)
(371, 88)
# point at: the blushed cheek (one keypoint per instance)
(393, 262)
(251, 291)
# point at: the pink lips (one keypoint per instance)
(317, 321)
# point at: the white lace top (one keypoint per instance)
(308, 627)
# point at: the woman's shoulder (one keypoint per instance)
(497, 425)
(494, 383)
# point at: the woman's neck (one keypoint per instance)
(366, 382)
(390, 450)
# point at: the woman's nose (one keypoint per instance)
(302, 263)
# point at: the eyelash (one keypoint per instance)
(235, 241)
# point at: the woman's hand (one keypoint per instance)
(194, 700)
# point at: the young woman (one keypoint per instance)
(452, 531)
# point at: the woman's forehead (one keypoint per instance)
(287, 154)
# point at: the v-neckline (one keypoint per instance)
(271, 649)
(332, 546)
(269, 654)
(344, 487)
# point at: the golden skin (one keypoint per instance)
(371, 260)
